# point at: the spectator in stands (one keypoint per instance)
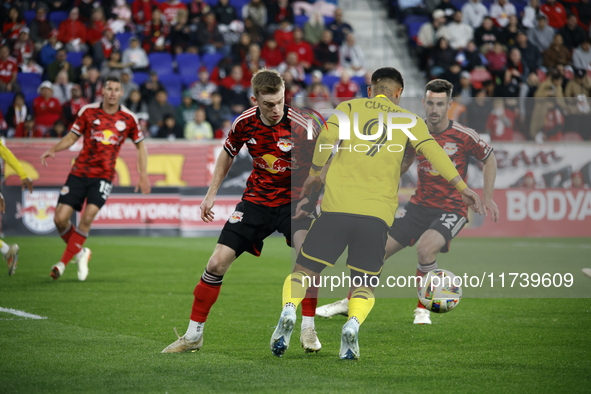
(284, 34)
(576, 92)
(8, 71)
(551, 87)
(58, 130)
(149, 88)
(29, 129)
(411, 7)
(500, 11)
(72, 107)
(500, 123)
(224, 12)
(554, 122)
(40, 27)
(497, 59)
(271, 54)
(427, 36)
(48, 52)
(477, 111)
(199, 128)
(180, 34)
(234, 90)
(293, 66)
(138, 107)
(294, 91)
(344, 89)
(31, 67)
(121, 18)
(201, 90)
(253, 62)
(582, 55)
(326, 54)
(509, 33)
(62, 88)
(465, 91)
(96, 27)
(470, 57)
(257, 11)
(256, 32)
(510, 85)
(442, 58)
(60, 63)
(474, 12)
(555, 12)
(155, 29)
(208, 36)
(47, 109)
(136, 55)
(542, 35)
(458, 33)
(572, 34)
(583, 11)
(351, 57)
(240, 49)
(127, 84)
(217, 112)
(170, 10)
(279, 11)
(530, 55)
(92, 87)
(114, 65)
(452, 74)
(81, 72)
(313, 28)
(158, 109)
(556, 53)
(170, 129)
(85, 7)
(223, 131)
(448, 8)
(530, 14)
(142, 12)
(16, 115)
(486, 35)
(23, 48)
(13, 24)
(516, 66)
(339, 27)
(186, 111)
(73, 33)
(303, 49)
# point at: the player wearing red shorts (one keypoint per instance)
(105, 126)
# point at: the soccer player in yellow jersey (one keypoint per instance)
(10, 252)
(360, 199)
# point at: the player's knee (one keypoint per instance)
(426, 253)
(218, 265)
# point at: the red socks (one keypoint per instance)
(310, 302)
(206, 294)
(76, 240)
(68, 233)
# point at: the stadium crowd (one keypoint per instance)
(513, 52)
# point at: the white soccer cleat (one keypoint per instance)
(57, 270)
(349, 341)
(282, 334)
(12, 258)
(340, 307)
(182, 344)
(422, 316)
(309, 340)
(83, 260)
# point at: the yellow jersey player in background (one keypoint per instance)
(10, 252)
(360, 199)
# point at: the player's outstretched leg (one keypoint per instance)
(10, 253)
(340, 307)
(282, 334)
(349, 340)
(422, 314)
(308, 336)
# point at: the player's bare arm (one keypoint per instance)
(63, 144)
(222, 166)
(142, 168)
(489, 173)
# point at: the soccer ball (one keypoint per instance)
(439, 292)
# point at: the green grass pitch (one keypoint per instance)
(106, 334)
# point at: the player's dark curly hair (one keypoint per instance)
(440, 86)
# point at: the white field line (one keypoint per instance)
(21, 313)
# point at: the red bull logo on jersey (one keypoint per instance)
(236, 217)
(285, 144)
(450, 148)
(106, 137)
(37, 210)
(274, 164)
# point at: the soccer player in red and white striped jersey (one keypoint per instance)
(105, 126)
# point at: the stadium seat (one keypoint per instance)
(175, 100)
(29, 97)
(188, 80)
(415, 19)
(172, 83)
(360, 81)
(161, 63)
(308, 79)
(124, 39)
(300, 20)
(28, 82)
(140, 77)
(328, 20)
(413, 31)
(238, 4)
(572, 136)
(74, 58)
(211, 3)
(187, 63)
(29, 16)
(57, 17)
(330, 80)
(210, 60)
(5, 102)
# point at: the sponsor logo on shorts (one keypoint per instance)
(236, 217)
(65, 190)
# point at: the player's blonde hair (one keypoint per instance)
(266, 82)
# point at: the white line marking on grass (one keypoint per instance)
(21, 313)
(551, 245)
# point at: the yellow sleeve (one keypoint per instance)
(326, 141)
(428, 147)
(12, 161)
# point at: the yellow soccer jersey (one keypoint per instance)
(363, 176)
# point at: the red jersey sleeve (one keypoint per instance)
(79, 125)
(134, 129)
(236, 138)
(477, 147)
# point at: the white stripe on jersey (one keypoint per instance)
(299, 119)
(466, 130)
(244, 115)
